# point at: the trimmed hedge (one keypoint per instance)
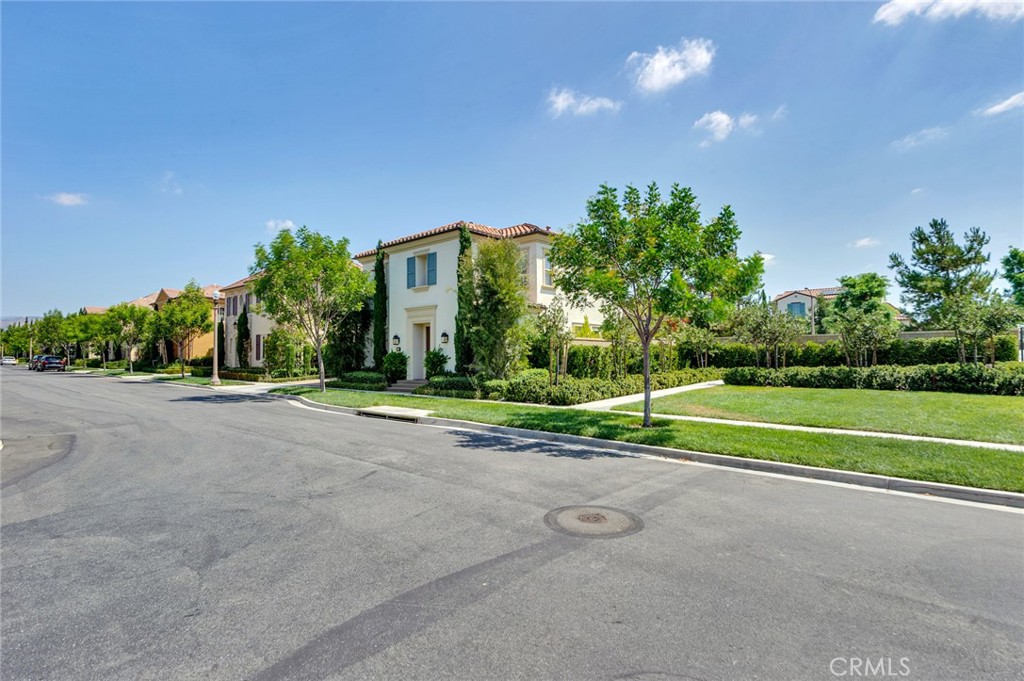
(953, 378)
(532, 387)
(451, 386)
(359, 380)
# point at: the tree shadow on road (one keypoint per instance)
(226, 398)
(504, 443)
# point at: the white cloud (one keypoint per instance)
(718, 123)
(768, 258)
(894, 12)
(169, 184)
(917, 190)
(669, 66)
(920, 137)
(1012, 102)
(780, 113)
(276, 226)
(747, 120)
(565, 100)
(68, 199)
(866, 242)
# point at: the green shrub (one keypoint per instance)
(450, 386)
(968, 378)
(206, 361)
(435, 362)
(118, 364)
(203, 372)
(396, 366)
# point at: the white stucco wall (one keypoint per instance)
(258, 324)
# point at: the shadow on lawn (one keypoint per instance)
(588, 424)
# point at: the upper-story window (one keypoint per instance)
(549, 273)
(421, 270)
(797, 309)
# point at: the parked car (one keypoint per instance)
(8, 361)
(51, 362)
(33, 363)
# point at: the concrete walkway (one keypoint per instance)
(601, 405)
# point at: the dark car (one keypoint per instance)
(51, 362)
(33, 363)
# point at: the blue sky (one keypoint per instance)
(147, 144)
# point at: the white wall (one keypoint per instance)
(258, 324)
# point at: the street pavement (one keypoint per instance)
(153, 531)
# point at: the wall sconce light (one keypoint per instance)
(395, 340)
(444, 337)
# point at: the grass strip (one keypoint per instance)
(934, 462)
(984, 418)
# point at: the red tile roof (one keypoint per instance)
(93, 309)
(513, 232)
(240, 282)
(827, 292)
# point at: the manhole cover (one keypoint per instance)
(593, 522)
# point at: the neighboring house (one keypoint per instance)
(238, 300)
(201, 346)
(802, 302)
(421, 272)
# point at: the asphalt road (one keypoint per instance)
(161, 532)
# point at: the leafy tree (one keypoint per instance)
(308, 280)
(279, 353)
(128, 325)
(764, 325)
(978, 320)
(380, 310)
(553, 326)
(699, 342)
(1013, 270)
(50, 330)
(940, 268)
(185, 318)
(243, 337)
(650, 259)
(463, 347)
(499, 305)
(347, 340)
(859, 314)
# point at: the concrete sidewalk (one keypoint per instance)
(601, 405)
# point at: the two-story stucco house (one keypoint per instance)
(421, 271)
(238, 300)
(802, 302)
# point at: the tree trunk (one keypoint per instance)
(646, 344)
(181, 358)
(320, 368)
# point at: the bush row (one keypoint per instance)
(532, 386)
(953, 378)
(359, 380)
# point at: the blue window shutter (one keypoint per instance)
(410, 272)
(431, 269)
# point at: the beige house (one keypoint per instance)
(238, 300)
(802, 302)
(201, 346)
(421, 272)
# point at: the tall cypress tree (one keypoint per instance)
(380, 310)
(463, 348)
(242, 340)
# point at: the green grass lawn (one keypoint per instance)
(988, 418)
(951, 464)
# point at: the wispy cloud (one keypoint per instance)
(917, 190)
(748, 120)
(920, 137)
(895, 12)
(866, 242)
(564, 100)
(68, 199)
(768, 258)
(1012, 102)
(275, 226)
(718, 123)
(169, 184)
(669, 66)
(780, 113)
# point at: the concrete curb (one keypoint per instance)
(883, 482)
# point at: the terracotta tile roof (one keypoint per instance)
(827, 292)
(145, 301)
(93, 309)
(513, 232)
(240, 282)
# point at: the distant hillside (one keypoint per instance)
(8, 321)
